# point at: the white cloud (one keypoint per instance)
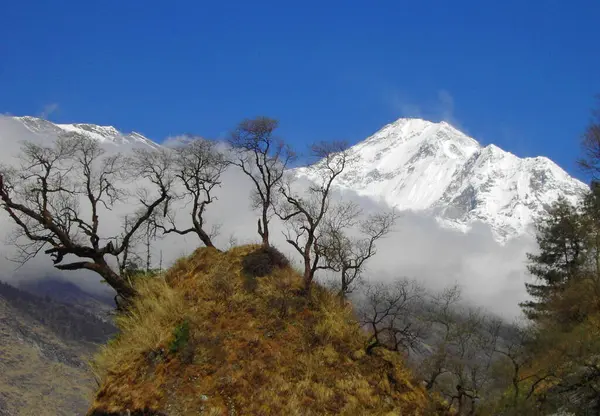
(48, 110)
(446, 104)
(402, 106)
(440, 108)
(491, 275)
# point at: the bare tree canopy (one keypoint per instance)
(263, 158)
(389, 313)
(57, 196)
(590, 144)
(198, 167)
(305, 214)
(345, 254)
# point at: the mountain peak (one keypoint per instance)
(420, 165)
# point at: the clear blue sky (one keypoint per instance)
(521, 74)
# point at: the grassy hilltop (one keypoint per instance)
(212, 338)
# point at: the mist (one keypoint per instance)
(491, 275)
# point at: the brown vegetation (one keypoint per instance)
(198, 342)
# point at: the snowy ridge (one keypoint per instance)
(418, 165)
(104, 134)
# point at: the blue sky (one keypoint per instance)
(520, 74)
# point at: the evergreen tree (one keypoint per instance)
(561, 239)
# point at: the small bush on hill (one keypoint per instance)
(181, 335)
(261, 262)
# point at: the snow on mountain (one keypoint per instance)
(104, 134)
(418, 165)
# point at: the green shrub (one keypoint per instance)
(181, 335)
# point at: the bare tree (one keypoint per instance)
(469, 361)
(441, 313)
(459, 365)
(197, 167)
(305, 214)
(590, 145)
(263, 158)
(348, 255)
(57, 195)
(512, 345)
(130, 261)
(390, 314)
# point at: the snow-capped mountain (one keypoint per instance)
(105, 134)
(418, 165)
(413, 164)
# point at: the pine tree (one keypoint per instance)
(561, 239)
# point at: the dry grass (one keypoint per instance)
(263, 351)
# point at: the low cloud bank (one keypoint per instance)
(492, 275)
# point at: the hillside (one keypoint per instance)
(212, 339)
(45, 347)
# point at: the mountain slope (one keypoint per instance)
(101, 305)
(44, 349)
(419, 165)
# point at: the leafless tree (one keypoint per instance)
(514, 346)
(441, 313)
(57, 195)
(305, 214)
(263, 158)
(130, 261)
(198, 167)
(469, 362)
(390, 314)
(347, 255)
(459, 365)
(590, 144)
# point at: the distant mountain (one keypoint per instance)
(418, 165)
(104, 134)
(45, 347)
(99, 304)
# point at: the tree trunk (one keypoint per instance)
(265, 228)
(263, 231)
(345, 285)
(205, 238)
(307, 275)
(460, 404)
(120, 285)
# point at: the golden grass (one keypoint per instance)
(259, 349)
